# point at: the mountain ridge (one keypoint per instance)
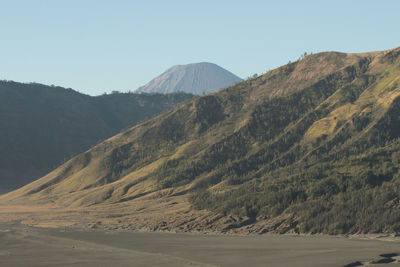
(42, 126)
(309, 147)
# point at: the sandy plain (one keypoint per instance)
(23, 245)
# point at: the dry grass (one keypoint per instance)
(78, 192)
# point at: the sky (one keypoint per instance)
(97, 46)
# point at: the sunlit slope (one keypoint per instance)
(314, 142)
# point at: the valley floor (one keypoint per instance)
(23, 245)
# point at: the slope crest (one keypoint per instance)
(313, 150)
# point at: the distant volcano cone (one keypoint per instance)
(197, 78)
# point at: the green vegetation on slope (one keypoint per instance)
(315, 142)
(346, 180)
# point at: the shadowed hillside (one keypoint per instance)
(312, 146)
(42, 126)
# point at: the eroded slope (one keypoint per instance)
(309, 147)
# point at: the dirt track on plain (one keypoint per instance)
(23, 245)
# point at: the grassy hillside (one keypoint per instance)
(42, 126)
(312, 146)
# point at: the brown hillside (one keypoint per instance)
(215, 162)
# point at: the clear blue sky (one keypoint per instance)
(97, 46)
